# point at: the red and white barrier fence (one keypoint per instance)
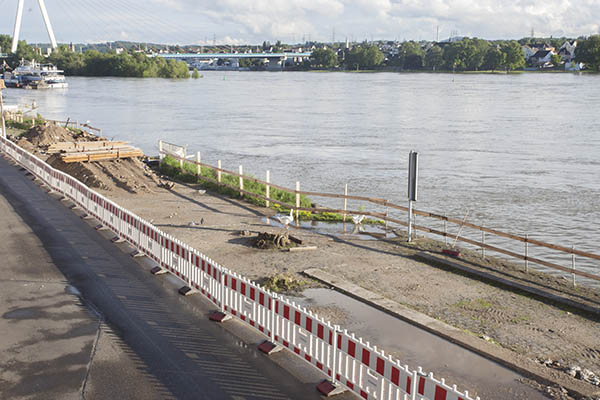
(345, 359)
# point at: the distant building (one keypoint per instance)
(542, 58)
(529, 52)
(567, 51)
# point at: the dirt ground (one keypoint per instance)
(557, 336)
(541, 331)
(129, 174)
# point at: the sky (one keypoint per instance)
(295, 21)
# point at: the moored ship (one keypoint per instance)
(32, 75)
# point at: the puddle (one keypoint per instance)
(340, 230)
(416, 347)
(24, 313)
(72, 290)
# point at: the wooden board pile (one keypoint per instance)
(93, 151)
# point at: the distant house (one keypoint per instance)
(529, 52)
(541, 58)
(567, 51)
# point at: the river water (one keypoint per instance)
(521, 151)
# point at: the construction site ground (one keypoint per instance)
(559, 342)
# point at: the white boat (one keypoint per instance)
(32, 75)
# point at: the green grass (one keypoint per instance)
(475, 304)
(170, 167)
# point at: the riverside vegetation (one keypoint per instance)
(94, 63)
(170, 167)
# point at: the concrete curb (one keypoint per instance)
(488, 350)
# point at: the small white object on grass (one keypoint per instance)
(357, 219)
(285, 219)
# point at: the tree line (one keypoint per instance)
(464, 55)
(94, 63)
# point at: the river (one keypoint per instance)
(522, 151)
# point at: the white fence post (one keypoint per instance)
(345, 200)
(268, 188)
(219, 171)
(297, 203)
(160, 152)
(198, 160)
(241, 181)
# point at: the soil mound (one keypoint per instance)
(129, 174)
(43, 136)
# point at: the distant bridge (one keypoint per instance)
(210, 56)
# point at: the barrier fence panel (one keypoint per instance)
(94, 207)
(248, 301)
(305, 335)
(356, 364)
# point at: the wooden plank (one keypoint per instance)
(100, 157)
(93, 144)
(100, 150)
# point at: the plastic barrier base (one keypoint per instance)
(100, 227)
(329, 389)
(219, 316)
(158, 271)
(269, 348)
(86, 216)
(187, 291)
(453, 253)
(117, 239)
(137, 253)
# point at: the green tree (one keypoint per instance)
(556, 60)
(364, 57)
(434, 58)
(410, 56)
(514, 57)
(373, 57)
(195, 74)
(475, 51)
(324, 58)
(494, 59)
(588, 52)
(5, 43)
(455, 56)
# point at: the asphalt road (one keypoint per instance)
(80, 318)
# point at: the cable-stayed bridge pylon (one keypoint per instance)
(19, 17)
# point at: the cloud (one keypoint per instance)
(252, 21)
